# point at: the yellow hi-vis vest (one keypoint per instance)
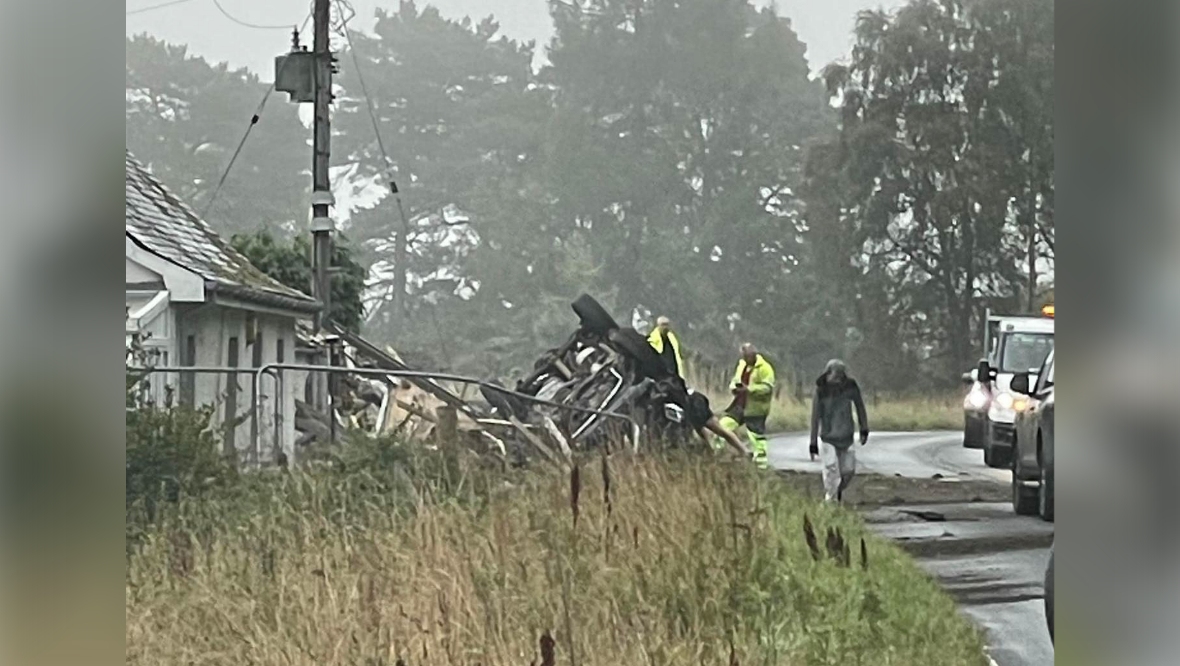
(761, 386)
(657, 343)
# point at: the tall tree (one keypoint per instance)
(185, 119)
(922, 171)
(457, 115)
(675, 157)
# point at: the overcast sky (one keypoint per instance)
(824, 25)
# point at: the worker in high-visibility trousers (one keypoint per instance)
(666, 344)
(753, 391)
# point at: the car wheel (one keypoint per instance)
(1024, 500)
(593, 316)
(1045, 495)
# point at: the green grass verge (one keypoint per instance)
(888, 414)
(655, 560)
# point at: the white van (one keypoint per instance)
(1014, 344)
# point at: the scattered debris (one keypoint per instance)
(931, 516)
(604, 385)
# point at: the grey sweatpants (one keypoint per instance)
(839, 468)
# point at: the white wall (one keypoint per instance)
(137, 273)
(213, 328)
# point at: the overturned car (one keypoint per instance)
(604, 384)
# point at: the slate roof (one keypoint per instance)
(159, 222)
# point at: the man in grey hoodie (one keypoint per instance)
(836, 394)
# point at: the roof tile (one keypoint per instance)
(166, 226)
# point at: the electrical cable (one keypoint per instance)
(253, 121)
(365, 91)
(246, 23)
(162, 5)
(340, 4)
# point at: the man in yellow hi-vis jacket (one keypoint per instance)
(753, 391)
(664, 341)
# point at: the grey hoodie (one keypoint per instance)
(831, 409)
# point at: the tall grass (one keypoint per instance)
(629, 560)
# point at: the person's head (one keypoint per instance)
(749, 353)
(835, 371)
(664, 324)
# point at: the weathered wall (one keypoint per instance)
(214, 330)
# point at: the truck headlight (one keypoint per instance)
(976, 399)
(1004, 401)
(1005, 407)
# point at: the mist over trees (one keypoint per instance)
(673, 158)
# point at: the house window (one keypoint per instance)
(280, 352)
(231, 397)
(188, 380)
(256, 351)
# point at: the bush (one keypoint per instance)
(172, 452)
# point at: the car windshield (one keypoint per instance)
(1025, 351)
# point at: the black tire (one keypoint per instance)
(632, 343)
(1045, 496)
(1024, 500)
(1049, 595)
(593, 316)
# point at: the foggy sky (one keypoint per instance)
(825, 26)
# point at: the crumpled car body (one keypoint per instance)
(606, 368)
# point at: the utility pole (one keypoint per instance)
(307, 78)
(321, 191)
(321, 194)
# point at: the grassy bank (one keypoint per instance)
(629, 561)
(886, 413)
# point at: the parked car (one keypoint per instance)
(1032, 459)
(1049, 594)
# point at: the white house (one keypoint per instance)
(194, 301)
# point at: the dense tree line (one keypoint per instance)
(674, 157)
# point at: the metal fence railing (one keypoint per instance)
(276, 370)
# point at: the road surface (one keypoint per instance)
(919, 455)
(991, 560)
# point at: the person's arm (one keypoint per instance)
(765, 386)
(737, 376)
(715, 426)
(862, 416)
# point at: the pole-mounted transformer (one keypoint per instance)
(295, 72)
(307, 78)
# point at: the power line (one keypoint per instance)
(155, 7)
(253, 121)
(368, 98)
(246, 23)
(404, 240)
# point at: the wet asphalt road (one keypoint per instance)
(989, 559)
